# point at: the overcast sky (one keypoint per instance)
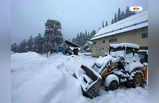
(29, 16)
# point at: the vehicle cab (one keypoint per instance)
(123, 49)
(128, 52)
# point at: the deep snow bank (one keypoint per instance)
(37, 79)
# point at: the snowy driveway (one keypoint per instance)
(37, 79)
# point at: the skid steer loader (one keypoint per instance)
(121, 67)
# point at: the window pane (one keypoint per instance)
(144, 35)
(113, 40)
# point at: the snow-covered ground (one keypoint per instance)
(37, 79)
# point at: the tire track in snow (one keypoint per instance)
(43, 84)
(60, 83)
(53, 84)
(64, 87)
(51, 94)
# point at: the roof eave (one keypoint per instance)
(95, 38)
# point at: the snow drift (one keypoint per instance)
(37, 79)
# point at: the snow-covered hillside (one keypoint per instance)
(37, 79)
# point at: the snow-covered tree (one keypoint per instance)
(103, 24)
(53, 35)
(23, 46)
(112, 21)
(119, 14)
(42, 44)
(14, 47)
(30, 43)
(83, 37)
(115, 18)
(38, 42)
(106, 23)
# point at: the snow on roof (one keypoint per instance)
(143, 51)
(125, 45)
(136, 21)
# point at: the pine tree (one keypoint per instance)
(40, 46)
(115, 18)
(53, 36)
(119, 14)
(30, 44)
(103, 24)
(122, 15)
(127, 12)
(83, 37)
(38, 42)
(112, 22)
(106, 23)
(23, 46)
(14, 47)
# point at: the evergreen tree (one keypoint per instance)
(14, 47)
(112, 22)
(115, 18)
(92, 33)
(38, 42)
(119, 14)
(53, 37)
(103, 24)
(30, 44)
(106, 23)
(122, 15)
(83, 37)
(127, 12)
(23, 46)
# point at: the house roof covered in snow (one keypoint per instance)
(71, 44)
(133, 22)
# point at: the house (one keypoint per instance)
(133, 29)
(67, 47)
(87, 47)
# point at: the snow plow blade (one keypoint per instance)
(90, 72)
(91, 82)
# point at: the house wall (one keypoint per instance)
(100, 47)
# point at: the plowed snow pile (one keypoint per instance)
(37, 79)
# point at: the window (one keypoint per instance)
(129, 50)
(94, 42)
(144, 35)
(103, 41)
(116, 49)
(113, 40)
